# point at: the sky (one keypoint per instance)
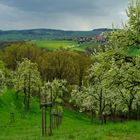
(62, 14)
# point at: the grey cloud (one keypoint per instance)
(64, 14)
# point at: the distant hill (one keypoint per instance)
(35, 34)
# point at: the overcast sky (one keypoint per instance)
(62, 14)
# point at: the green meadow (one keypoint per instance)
(75, 126)
(57, 44)
(52, 45)
(134, 52)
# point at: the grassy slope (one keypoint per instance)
(75, 125)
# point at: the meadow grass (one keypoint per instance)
(75, 126)
(57, 44)
(134, 52)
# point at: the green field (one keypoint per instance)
(57, 44)
(134, 52)
(75, 125)
(63, 44)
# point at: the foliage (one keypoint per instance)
(27, 79)
(114, 81)
(64, 65)
(133, 13)
(2, 81)
(54, 92)
(129, 36)
(5, 76)
(16, 52)
(50, 34)
(107, 88)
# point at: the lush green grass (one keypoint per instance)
(57, 44)
(74, 46)
(134, 52)
(75, 126)
(63, 44)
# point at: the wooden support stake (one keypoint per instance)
(43, 106)
(51, 120)
(60, 118)
(12, 117)
(43, 120)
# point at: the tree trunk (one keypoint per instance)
(130, 106)
(25, 93)
(92, 113)
(104, 119)
(138, 111)
(17, 94)
(129, 111)
(29, 91)
(100, 107)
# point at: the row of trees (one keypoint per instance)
(27, 82)
(2, 76)
(113, 87)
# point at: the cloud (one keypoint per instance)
(61, 14)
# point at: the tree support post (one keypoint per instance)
(44, 106)
(44, 121)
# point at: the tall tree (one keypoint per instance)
(27, 80)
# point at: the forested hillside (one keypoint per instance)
(36, 34)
